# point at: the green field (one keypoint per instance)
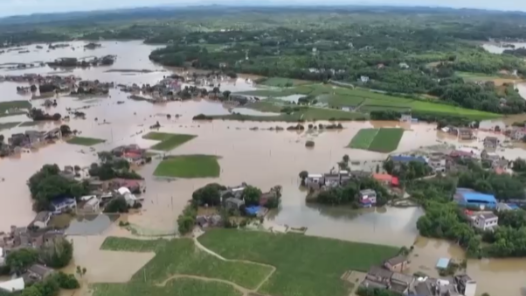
(85, 141)
(8, 125)
(379, 140)
(305, 265)
(180, 257)
(167, 141)
(22, 105)
(367, 100)
(188, 166)
(364, 138)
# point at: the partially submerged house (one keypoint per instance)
(367, 198)
(62, 205)
(41, 220)
(491, 143)
(397, 263)
(465, 285)
(12, 286)
(38, 272)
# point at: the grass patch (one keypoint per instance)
(11, 108)
(85, 141)
(175, 287)
(364, 138)
(305, 113)
(387, 139)
(370, 100)
(181, 256)
(379, 140)
(306, 265)
(188, 166)
(168, 141)
(8, 125)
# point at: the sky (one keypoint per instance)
(24, 7)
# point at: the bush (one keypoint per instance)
(117, 205)
(186, 221)
(309, 144)
(57, 253)
(66, 281)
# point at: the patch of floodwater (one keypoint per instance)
(246, 111)
(494, 48)
(291, 98)
(90, 224)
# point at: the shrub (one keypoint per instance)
(309, 144)
(117, 205)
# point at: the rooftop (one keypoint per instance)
(404, 158)
(396, 260)
(377, 271)
(478, 197)
(443, 263)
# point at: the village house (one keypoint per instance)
(485, 221)
(127, 195)
(518, 133)
(37, 272)
(35, 137)
(233, 203)
(465, 285)
(469, 198)
(491, 143)
(90, 203)
(406, 118)
(386, 179)
(367, 198)
(379, 275)
(401, 283)
(41, 220)
(397, 264)
(403, 66)
(62, 205)
(132, 185)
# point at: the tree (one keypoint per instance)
(19, 260)
(57, 253)
(346, 158)
(117, 205)
(210, 195)
(226, 94)
(251, 195)
(303, 176)
(66, 281)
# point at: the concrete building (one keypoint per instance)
(486, 221)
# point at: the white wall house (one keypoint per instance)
(485, 221)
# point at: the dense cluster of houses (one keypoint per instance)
(27, 140)
(389, 276)
(232, 200)
(30, 237)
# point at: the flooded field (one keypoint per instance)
(263, 158)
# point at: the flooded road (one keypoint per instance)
(263, 158)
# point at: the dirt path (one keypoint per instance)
(203, 248)
(245, 291)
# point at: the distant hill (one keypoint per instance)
(172, 11)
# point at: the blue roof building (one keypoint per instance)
(468, 197)
(443, 263)
(61, 205)
(405, 159)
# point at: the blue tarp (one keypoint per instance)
(479, 197)
(253, 210)
(513, 206)
(443, 263)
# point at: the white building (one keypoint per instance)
(314, 179)
(364, 79)
(485, 221)
(13, 285)
(128, 196)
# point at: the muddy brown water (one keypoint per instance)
(263, 158)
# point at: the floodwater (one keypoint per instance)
(495, 48)
(263, 158)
